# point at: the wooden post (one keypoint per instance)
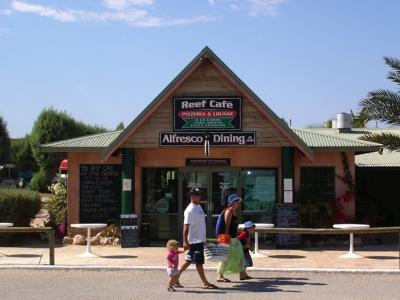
(51, 238)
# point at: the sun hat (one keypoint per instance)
(195, 191)
(249, 224)
(232, 198)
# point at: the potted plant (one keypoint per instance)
(56, 206)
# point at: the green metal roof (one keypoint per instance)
(87, 143)
(374, 159)
(323, 140)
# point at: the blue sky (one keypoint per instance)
(103, 61)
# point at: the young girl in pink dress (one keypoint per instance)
(172, 264)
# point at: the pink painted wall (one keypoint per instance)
(329, 159)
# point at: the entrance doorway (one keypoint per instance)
(215, 184)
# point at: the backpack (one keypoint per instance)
(220, 225)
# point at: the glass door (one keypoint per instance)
(195, 178)
(215, 184)
(223, 184)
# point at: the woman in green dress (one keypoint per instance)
(235, 261)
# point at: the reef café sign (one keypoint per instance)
(217, 120)
(207, 114)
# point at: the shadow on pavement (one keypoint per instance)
(287, 256)
(382, 257)
(118, 256)
(24, 255)
(260, 285)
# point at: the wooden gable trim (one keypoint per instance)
(151, 108)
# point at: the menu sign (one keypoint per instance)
(287, 215)
(100, 193)
(199, 114)
(245, 138)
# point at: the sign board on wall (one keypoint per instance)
(100, 193)
(207, 113)
(243, 138)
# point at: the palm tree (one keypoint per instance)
(384, 105)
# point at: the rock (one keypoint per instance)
(95, 241)
(79, 240)
(116, 242)
(106, 241)
(68, 240)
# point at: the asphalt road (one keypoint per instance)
(151, 285)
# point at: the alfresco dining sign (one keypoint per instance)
(192, 114)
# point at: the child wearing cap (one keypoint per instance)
(244, 238)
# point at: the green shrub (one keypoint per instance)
(40, 181)
(18, 206)
(56, 204)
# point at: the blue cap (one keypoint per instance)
(249, 224)
(232, 198)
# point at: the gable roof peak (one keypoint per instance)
(207, 53)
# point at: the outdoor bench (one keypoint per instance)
(291, 230)
(48, 230)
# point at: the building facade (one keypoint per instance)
(208, 129)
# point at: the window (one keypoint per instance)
(259, 194)
(318, 180)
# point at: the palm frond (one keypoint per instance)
(358, 120)
(394, 63)
(388, 140)
(394, 76)
(381, 105)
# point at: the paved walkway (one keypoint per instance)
(375, 257)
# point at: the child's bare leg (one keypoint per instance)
(170, 283)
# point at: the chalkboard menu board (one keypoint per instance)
(100, 193)
(287, 215)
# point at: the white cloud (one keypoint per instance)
(251, 7)
(264, 7)
(6, 12)
(45, 11)
(132, 15)
(123, 4)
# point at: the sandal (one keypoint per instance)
(178, 285)
(223, 279)
(171, 289)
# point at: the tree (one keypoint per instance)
(384, 105)
(21, 154)
(5, 143)
(120, 126)
(51, 126)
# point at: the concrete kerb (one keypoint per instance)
(158, 268)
